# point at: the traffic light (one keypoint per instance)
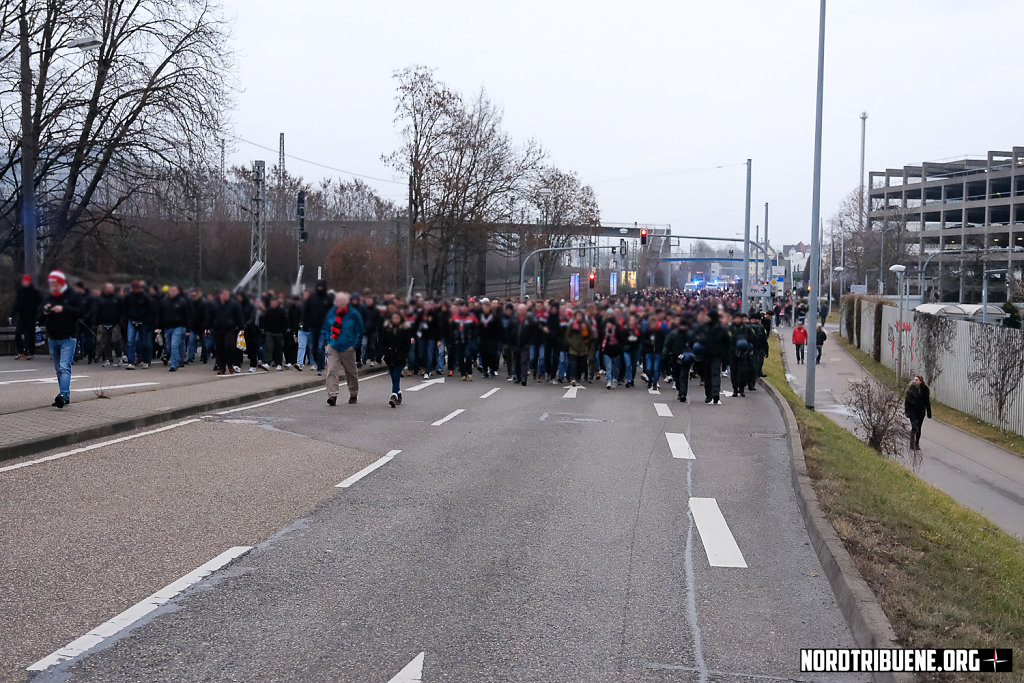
(593, 279)
(622, 247)
(643, 235)
(613, 250)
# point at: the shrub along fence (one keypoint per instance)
(974, 368)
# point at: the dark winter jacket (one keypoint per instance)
(138, 307)
(275, 321)
(63, 325)
(521, 331)
(918, 402)
(316, 306)
(27, 303)
(395, 343)
(109, 309)
(174, 312)
(225, 316)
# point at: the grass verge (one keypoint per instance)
(940, 411)
(945, 575)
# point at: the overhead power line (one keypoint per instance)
(668, 173)
(318, 164)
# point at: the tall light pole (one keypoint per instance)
(816, 192)
(898, 269)
(28, 148)
(767, 261)
(745, 291)
(860, 182)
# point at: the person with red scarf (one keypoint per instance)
(345, 330)
(60, 313)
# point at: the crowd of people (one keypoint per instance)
(657, 337)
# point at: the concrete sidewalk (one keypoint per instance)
(976, 473)
(39, 429)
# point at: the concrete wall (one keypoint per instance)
(953, 386)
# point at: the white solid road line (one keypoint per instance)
(447, 417)
(492, 392)
(679, 446)
(718, 541)
(4, 372)
(117, 386)
(367, 470)
(424, 385)
(412, 672)
(93, 447)
(663, 410)
(137, 611)
(267, 403)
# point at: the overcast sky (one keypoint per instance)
(645, 99)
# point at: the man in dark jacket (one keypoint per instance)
(313, 315)
(819, 342)
(275, 327)
(291, 351)
(717, 347)
(174, 317)
(758, 338)
(109, 313)
(521, 331)
(26, 307)
(224, 320)
(138, 311)
(677, 355)
(60, 313)
(197, 330)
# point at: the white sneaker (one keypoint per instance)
(106, 363)
(426, 375)
(129, 367)
(265, 366)
(643, 376)
(251, 370)
(238, 369)
(287, 365)
(144, 366)
(279, 367)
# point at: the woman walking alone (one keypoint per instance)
(395, 340)
(917, 403)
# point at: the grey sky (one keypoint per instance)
(618, 90)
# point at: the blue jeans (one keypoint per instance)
(611, 364)
(319, 348)
(630, 361)
(62, 352)
(653, 366)
(440, 351)
(304, 345)
(396, 378)
(563, 364)
(538, 359)
(174, 340)
(140, 343)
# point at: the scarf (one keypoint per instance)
(339, 316)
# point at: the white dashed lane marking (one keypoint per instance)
(367, 470)
(663, 410)
(679, 446)
(719, 543)
(449, 416)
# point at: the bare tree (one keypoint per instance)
(148, 101)
(997, 354)
(571, 212)
(463, 167)
(934, 340)
(879, 417)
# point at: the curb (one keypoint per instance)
(861, 609)
(33, 446)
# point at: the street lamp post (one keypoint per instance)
(816, 191)
(898, 269)
(840, 270)
(984, 292)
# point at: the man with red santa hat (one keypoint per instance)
(60, 314)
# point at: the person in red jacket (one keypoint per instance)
(800, 341)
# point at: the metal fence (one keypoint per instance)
(975, 358)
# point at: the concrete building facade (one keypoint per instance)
(961, 218)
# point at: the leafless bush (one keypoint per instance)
(879, 416)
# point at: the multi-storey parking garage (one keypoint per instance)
(963, 218)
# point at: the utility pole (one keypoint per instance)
(28, 149)
(199, 241)
(767, 259)
(412, 232)
(860, 182)
(745, 283)
(258, 238)
(816, 194)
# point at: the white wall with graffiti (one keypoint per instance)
(977, 369)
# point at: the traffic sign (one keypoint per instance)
(760, 290)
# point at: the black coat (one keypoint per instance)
(174, 312)
(918, 402)
(315, 309)
(109, 309)
(27, 303)
(63, 325)
(521, 332)
(226, 316)
(395, 342)
(275, 321)
(138, 307)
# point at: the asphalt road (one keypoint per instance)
(25, 385)
(530, 537)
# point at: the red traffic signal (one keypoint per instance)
(643, 236)
(593, 279)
